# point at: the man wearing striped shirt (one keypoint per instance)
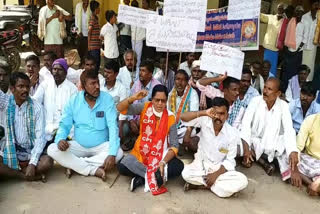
(94, 43)
(25, 140)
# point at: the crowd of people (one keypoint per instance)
(86, 119)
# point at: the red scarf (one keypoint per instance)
(152, 146)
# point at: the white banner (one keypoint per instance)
(171, 33)
(220, 59)
(191, 9)
(240, 9)
(133, 16)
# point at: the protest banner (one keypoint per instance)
(221, 59)
(191, 9)
(228, 32)
(239, 9)
(171, 33)
(133, 16)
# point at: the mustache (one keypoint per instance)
(217, 120)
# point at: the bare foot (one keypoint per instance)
(314, 188)
(100, 173)
(68, 173)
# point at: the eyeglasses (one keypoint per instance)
(160, 100)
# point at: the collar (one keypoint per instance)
(85, 102)
(148, 85)
(113, 88)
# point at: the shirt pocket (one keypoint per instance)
(100, 123)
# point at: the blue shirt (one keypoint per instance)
(92, 127)
(297, 112)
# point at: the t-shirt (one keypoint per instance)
(94, 42)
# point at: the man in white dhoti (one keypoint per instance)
(267, 134)
(214, 164)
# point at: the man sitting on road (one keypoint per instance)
(95, 147)
(214, 164)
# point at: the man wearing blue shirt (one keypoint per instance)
(96, 145)
(304, 106)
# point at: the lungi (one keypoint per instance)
(309, 58)
(309, 166)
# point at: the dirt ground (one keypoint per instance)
(84, 195)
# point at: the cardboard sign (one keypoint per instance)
(221, 59)
(133, 16)
(190, 9)
(239, 9)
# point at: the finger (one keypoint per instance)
(251, 158)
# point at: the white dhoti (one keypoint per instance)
(309, 58)
(182, 129)
(84, 161)
(137, 47)
(226, 184)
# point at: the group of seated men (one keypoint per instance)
(84, 120)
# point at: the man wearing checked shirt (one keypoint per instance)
(95, 148)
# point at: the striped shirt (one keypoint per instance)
(24, 149)
(94, 42)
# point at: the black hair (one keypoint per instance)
(227, 82)
(109, 14)
(256, 63)
(94, 5)
(51, 54)
(33, 58)
(308, 89)
(246, 71)
(135, 3)
(112, 65)
(90, 58)
(159, 88)
(149, 64)
(267, 62)
(303, 68)
(15, 76)
(5, 65)
(88, 74)
(181, 71)
(219, 102)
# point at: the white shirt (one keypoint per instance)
(300, 37)
(118, 93)
(34, 89)
(84, 23)
(125, 31)
(262, 128)
(138, 34)
(185, 66)
(126, 77)
(193, 101)
(109, 33)
(310, 26)
(54, 99)
(220, 149)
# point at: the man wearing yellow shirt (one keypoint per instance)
(270, 39)
(308, 142)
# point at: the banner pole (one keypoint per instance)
(180, 57)
(167, 66)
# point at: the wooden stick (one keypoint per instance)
(180, 58)
(167, 65)
(114, 181)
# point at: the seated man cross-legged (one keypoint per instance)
(214, 164)
(153, 159)
(95, 147)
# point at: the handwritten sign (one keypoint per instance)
(239, 9)
(133, 16)
(220, 59)
(191, 9)
(172, 33)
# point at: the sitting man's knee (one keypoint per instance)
(52, 149)
(119, 155)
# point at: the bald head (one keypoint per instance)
(275, 82)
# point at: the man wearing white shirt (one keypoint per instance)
(182, 98)
(267, 134)
(33, 71)
(82, 17)
(214, 164)
(54, 94)
(108, 33)
(116, 89)
(188, 63)
(309, 21)
(128, 74)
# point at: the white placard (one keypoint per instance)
(240, 9)
(133, 16)
(191, 9)
(221, 58)
(172, 33)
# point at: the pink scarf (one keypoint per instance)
(290, 40)
(203, 100)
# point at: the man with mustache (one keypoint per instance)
(33, 71)
(214, 164)
(94, 149)
(304, 106)
(187, 65)
(267, 134)
(25, 140)
(182, 98)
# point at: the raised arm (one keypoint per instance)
(209, 80)
(188, 116)
(123, 106)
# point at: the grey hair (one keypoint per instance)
(130, 52)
